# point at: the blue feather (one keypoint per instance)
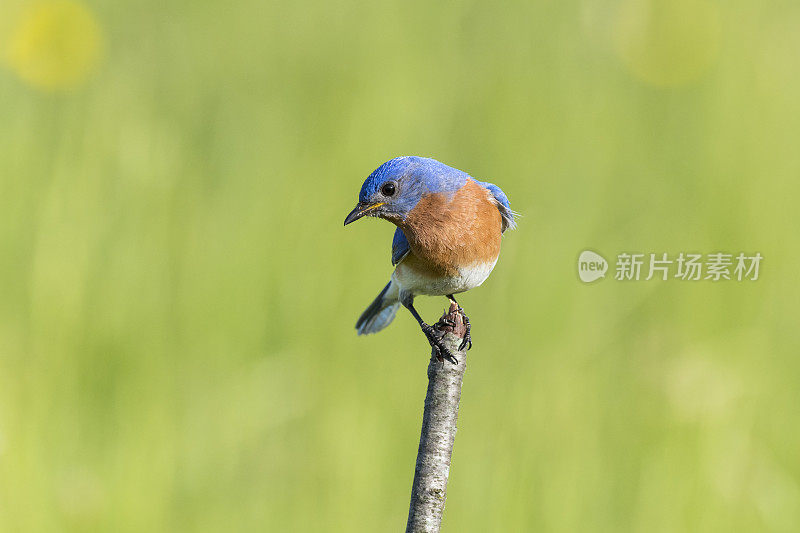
(400, 247)
(502, 204)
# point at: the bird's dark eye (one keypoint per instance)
(387, 189)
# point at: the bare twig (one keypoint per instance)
(429, 490)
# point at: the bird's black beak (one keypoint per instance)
(361, 210)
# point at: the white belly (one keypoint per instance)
(467, 278)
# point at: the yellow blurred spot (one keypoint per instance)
(700, 389)
(667, 42)
(55, 45)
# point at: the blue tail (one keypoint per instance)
(380, 312)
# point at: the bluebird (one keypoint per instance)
(447, 241)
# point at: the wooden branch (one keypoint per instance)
(429, 491)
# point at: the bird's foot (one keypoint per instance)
(448, 324)
(438, 348)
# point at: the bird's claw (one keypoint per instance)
(443, 354)
(438, 348)
(467, 340)
(466, 343)
(445, 322)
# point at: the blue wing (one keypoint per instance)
(502, 204)
(400, 247)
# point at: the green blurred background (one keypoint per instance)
(177, 350)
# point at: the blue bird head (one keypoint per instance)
(394, 188)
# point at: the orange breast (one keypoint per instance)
(445, 235)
